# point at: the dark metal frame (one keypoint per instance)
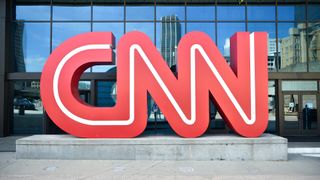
(7, 76)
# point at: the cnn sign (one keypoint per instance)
(239, 90)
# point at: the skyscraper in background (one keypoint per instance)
(170, 37)
(18, 50)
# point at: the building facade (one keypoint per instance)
(31, 30)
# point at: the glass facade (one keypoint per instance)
(293, 29)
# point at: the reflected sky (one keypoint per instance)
(170, 10)
(261, 13)
(230, 13)
(207, 28)
(71, 13)
(36, 35)
(32, 13)
(108, 13)
(207, 13)
(140, 13)
(63, 31)
(291, 13)
(35, 44)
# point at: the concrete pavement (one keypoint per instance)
(297, 167)
(301, 165)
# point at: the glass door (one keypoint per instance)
(300, 114)
(309, 114)
(291, 106)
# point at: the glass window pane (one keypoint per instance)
(270, 28)
(314, 46)
(106, 93)
(27, 108)
(169, 34)
(309, 112)
(291, 13)
(225, 31)
(299, 86)
(84, 91)
(63, 31)
(195, 13)
(261, 12)
(165, 11)
(292, 47)
(314, 11)
(71, 12)
(108, 13)
(231, 12)
(147, 28)
(31, 46)
(291, 111)
(139, 13)
(272, 107)
(117, 29)
(207, 28)
(33, 13)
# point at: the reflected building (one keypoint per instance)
(314, 46)
(293, 49)
(272, 54)
(18, 48)
(170, 37)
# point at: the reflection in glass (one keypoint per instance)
(147, 28)
(31, 46)
(225, 31)
(106, 93)
(314, 46)
(117, 29)
(291, 13)
(33, 13)
(27, 108)
(291, 111)
(178, 11)
(309, 112)
(270, 28)
(139, 13)
(207, 28)
(63, 31)
(207, 13)
(313, 11)
(169, 33)
(299, 85)
(261, 12)
(71, 12)
(292, 47)
(271, 107)
(231, 12)
(84, 91)
(108, 13)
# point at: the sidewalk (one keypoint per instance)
(298, 166)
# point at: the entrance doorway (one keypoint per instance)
(300, 114)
